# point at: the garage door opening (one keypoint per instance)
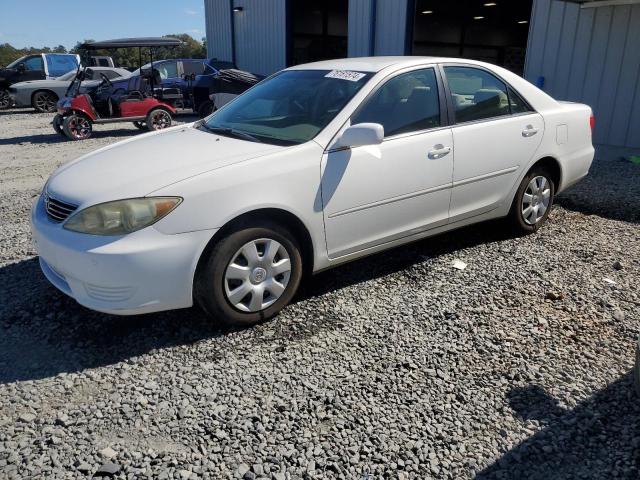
(318, 30)
(490, 31)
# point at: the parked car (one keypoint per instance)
(40, 66)
(139, 101)
(44, 94)
(315, 166)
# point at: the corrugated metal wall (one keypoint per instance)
(218, 27)
(261, 36)
(390, 27)
(591, 55)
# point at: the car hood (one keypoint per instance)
(138, 166)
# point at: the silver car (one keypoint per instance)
(44, 94)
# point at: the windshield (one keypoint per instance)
(290, 108)
(68, 75)
(15, 63)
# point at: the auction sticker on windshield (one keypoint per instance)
(345, 75)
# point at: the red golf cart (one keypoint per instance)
(140, 99)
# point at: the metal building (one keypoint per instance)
(586, 51)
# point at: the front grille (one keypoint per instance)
(57, 210)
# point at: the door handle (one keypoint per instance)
(529, 131)
(439, 151)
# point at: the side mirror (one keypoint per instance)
(21, 67)
(362, 134)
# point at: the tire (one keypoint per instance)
(537, 191)
(5, 99)
(77, 127)
(226, 273)
(206, 109)
(158, 119)
(44, 101)
(140, 125)
(57, 124)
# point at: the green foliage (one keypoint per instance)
(126, 57)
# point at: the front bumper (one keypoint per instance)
(146, 271)
(19, 98)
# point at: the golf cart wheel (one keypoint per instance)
(206, 109)
(77, 127)
(5, 100)
(158, 119)
(249, 275)
(44, 101)
(533, 200)
(57, 124)
(140, 125)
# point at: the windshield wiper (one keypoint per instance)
(231, 132)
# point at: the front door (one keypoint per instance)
(377, 194)
(33, 69)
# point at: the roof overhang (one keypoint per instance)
(133, 42)
(603, 3)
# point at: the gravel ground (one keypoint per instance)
(395, 366)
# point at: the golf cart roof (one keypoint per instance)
(133, 42)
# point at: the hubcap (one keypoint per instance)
(160, 120)
(257, 275)
(535, 200)
(45, 102)
(79, 127)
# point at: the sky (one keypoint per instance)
(39, 23)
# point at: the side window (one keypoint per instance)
(90, 74)
(33, 64)
(168, 70)
(110, 74)
(516, 103)
(406, 103)
(191, 67)
(476, 93)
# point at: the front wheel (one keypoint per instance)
(44, 101)
(57, 124)
(77, 127)
(250, 275)
(158, 119)
(206, 109)
(533, 201)
(5, 99)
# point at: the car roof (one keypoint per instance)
(376, 64)
(133, 42)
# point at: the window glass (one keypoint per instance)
(167, 70)
(516, 103)
(90, 74)
(191, 67)
(110, 74)
(476, 94)
(406, 103)
(60, 64)
(291, 107)
(33, 64)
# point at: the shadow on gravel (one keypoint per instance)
(611, 190)
(53, 137)
(44, 333)
(598, 439)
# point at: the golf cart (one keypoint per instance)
(141, 100)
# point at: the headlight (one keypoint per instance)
(122, 216)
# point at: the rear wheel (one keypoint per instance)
(57, 124)
(533, 201)
(44, 101)
(5, 99)
(140, 125)
(250, 275)
(77, 127)
(158, 119)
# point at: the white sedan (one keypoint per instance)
(317, 165)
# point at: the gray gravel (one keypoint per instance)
(396, 366)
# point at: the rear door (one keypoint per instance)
(495, 134)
